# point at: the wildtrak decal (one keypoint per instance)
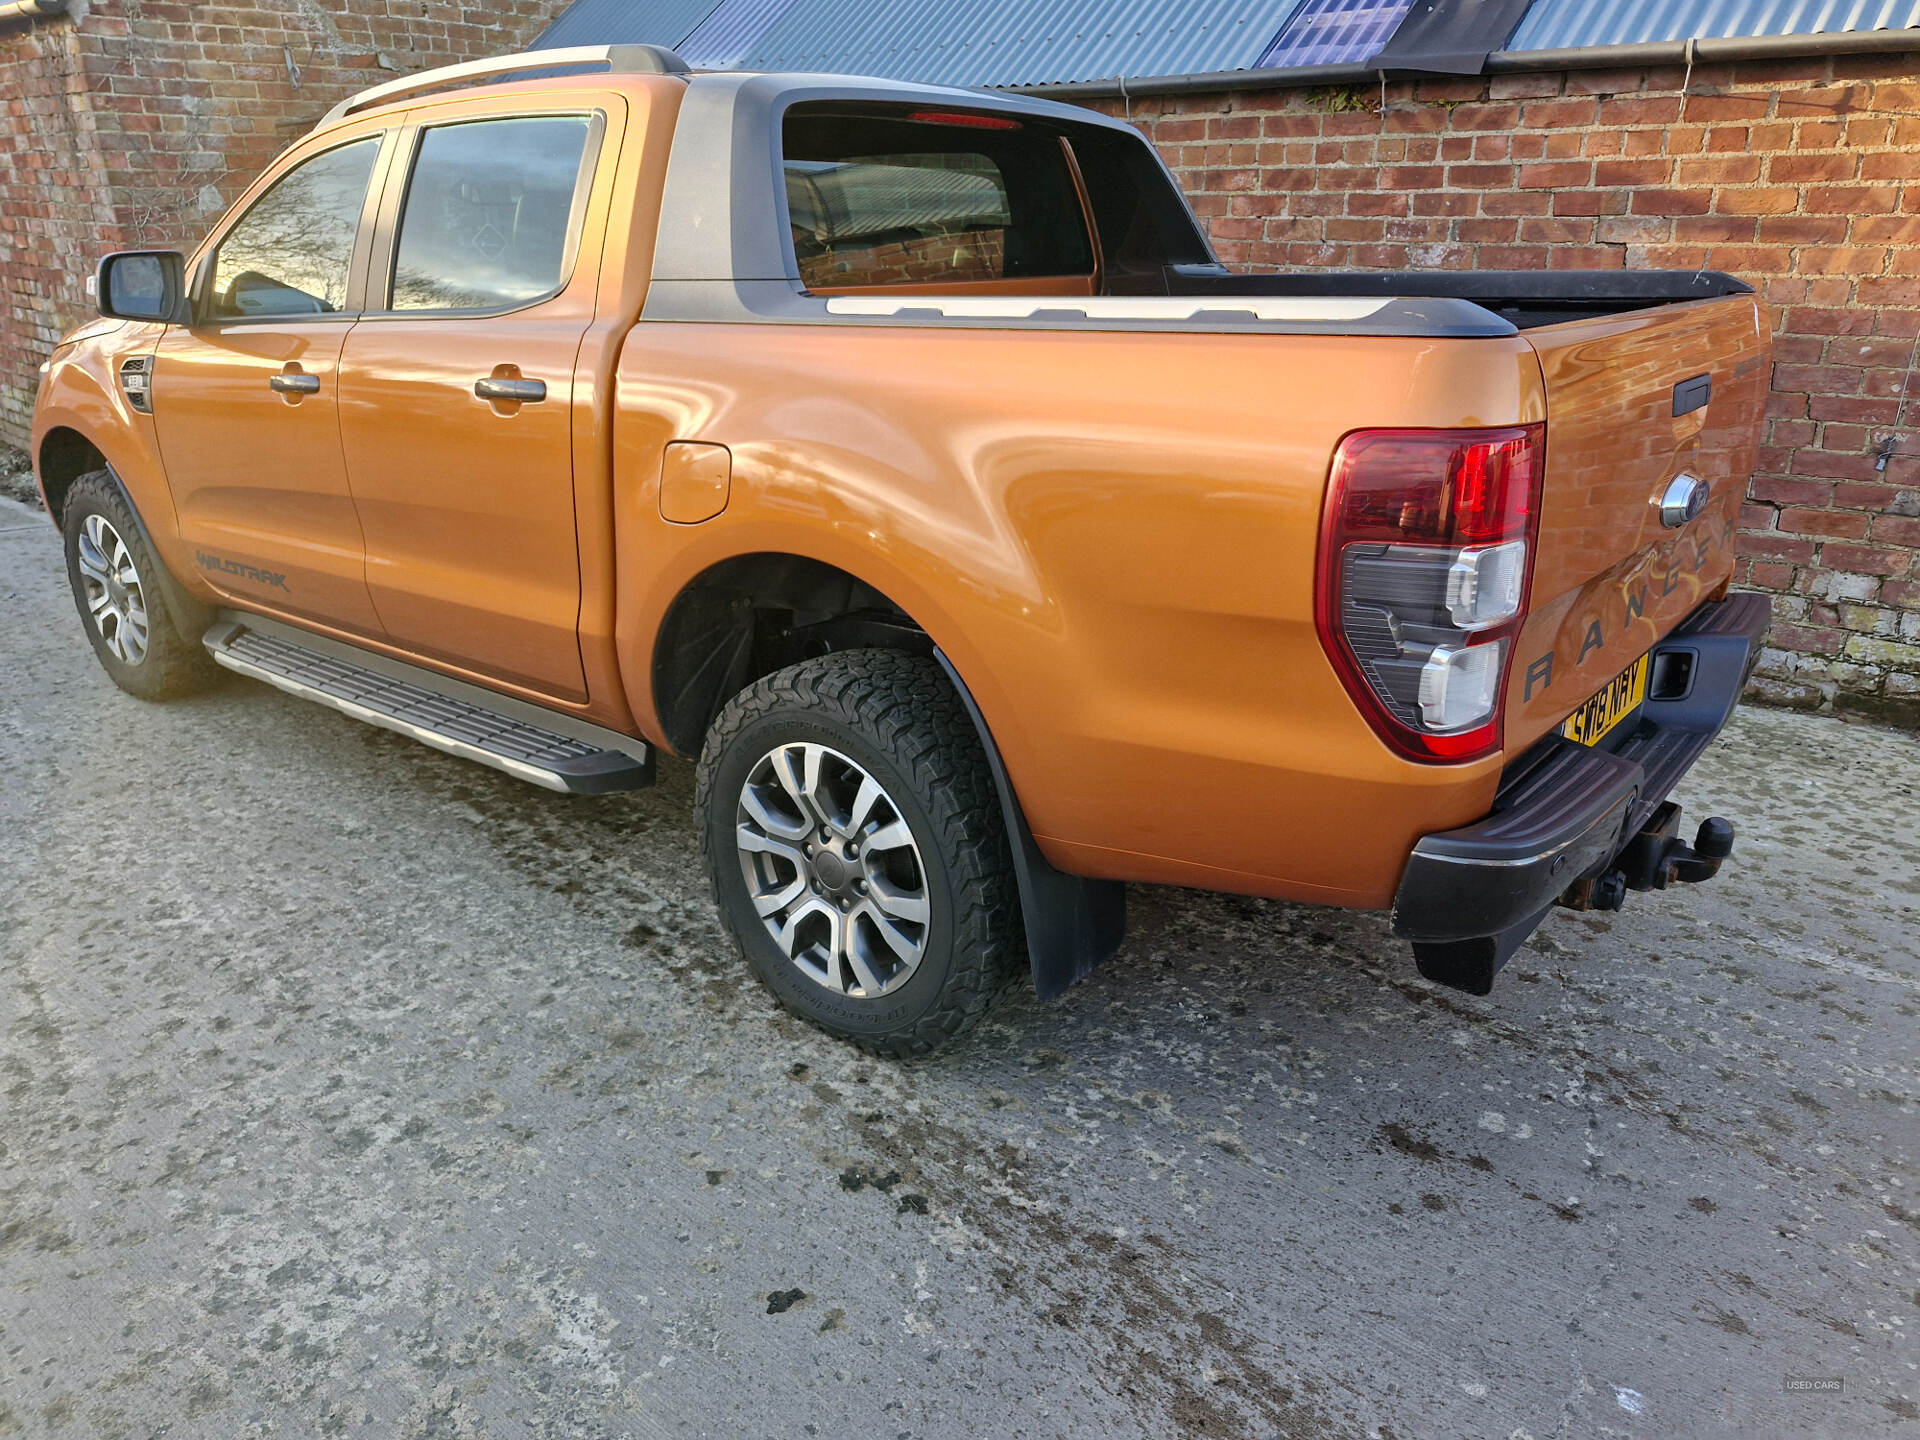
(222, 566)
(1663, 583)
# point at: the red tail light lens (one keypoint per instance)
(1425, 555)
(1436, 487)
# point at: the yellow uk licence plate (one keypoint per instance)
(1617, 699)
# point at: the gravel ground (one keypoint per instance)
(351, 1089)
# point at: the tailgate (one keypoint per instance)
(1609, 579)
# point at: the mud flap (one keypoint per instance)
(1072, 923)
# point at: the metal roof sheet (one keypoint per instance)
(1564, 24)
(624, 22)
(945, 42)
(1046, 42)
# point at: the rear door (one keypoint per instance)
(1635, 402)
(457, 386)
(245, 399)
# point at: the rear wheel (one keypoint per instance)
(116, 581)
(857, 850)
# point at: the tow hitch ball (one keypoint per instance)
(1654, 859)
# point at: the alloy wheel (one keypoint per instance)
(116, 598)
(833, 870)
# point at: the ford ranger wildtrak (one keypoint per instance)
(904, 455)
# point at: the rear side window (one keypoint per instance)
(892, 196)
(491, 213)
(290, 253)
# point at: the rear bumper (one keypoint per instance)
(1564, 811)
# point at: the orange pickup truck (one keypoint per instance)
(905, 455)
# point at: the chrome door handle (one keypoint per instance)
(298, 384)
(526, 392)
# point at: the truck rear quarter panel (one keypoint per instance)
(1113, 537)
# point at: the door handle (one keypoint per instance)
(494, 387)
(297, 383)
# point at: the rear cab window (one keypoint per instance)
(492, 212)
(893, 196)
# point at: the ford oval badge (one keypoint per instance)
(1683, 499)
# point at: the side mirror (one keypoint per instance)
(144, 285)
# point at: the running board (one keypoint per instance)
(553, 750)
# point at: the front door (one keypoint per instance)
(456, 401)
(245, 401)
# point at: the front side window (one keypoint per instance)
(290, 253)
(489, 213)
(915, 197)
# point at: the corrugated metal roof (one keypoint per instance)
(1564, 24)
(729, 34)
(1045, 42)
(943, 42)
(1336, 32)
(625, 22)
(1019, 42)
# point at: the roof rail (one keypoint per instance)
(616, 59)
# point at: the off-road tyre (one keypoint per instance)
(897, 716)
(172, 665)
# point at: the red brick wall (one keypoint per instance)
(56, 207)
(136, 122)
(1802, 176)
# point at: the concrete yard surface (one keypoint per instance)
(350, 1089)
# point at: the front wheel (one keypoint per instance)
(857, 851)
(116, 581)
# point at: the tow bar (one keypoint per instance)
(1654, 859)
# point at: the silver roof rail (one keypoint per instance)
(617, 60)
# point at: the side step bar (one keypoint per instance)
(549, 749)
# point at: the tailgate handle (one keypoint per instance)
(1690, 395)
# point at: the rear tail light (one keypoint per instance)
(1425, 553)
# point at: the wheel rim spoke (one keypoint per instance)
(93, 564)
(890, 836)
(901, 943)
(869, 795)
(900, 904)
(773, 825)
(771, 902)
(870, 983)
(786, 771)
(112, 591)
(833, 870)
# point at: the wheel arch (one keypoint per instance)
(63, 456)
(743, 618)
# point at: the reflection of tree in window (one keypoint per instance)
(290, 252)
(486, 215)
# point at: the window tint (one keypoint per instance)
(290, 252)
(899, 198)
(488, 213)
(1143, 224)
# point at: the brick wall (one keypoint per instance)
(1802, 176)
(136, 122)
(56, 206)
